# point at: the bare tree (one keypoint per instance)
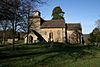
(5, 14)
(29, 7)
(98, 24)
(18, 12)
(4, 25)
(11, 11)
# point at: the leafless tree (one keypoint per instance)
(4, 25)
(18, 12)
(98, 24)
(29, 6)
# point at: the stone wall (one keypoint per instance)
(35, 23)
(57, 34)
(74, 37)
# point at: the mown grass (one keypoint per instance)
(50, 55)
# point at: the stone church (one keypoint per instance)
(53, 30)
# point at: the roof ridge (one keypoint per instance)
(53, 20)
(73, 23)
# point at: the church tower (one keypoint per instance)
(36, 13)
(35, 21)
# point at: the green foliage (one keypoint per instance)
(95, 35)
(57, 13)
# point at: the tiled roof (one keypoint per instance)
(73, 26)
(53, 24)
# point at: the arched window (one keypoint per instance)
(51, 36)
(58, 32)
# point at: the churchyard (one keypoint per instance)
(50, 55)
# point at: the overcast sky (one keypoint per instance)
(84, 11)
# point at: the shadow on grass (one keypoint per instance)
(73, 51)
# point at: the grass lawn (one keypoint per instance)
(45, 55)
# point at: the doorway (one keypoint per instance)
(30, 39)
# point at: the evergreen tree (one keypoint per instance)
(57, 13)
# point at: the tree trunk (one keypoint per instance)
(28, 26)
(13, 35)
(4, 33)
